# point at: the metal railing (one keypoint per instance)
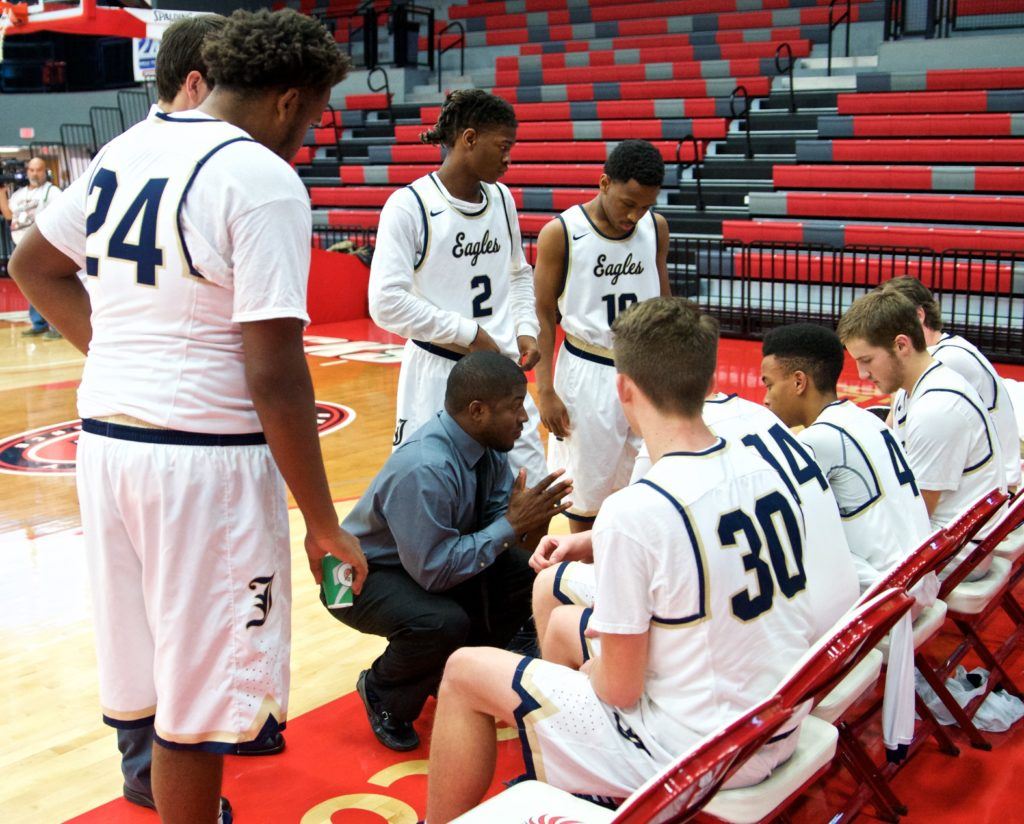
(751, 288)
(385, 86)
(741, 91)
(459, 41)
(134, 105)
(77, 149)
(785, 50)
(694, 163)
(107, 123)
(834, 23)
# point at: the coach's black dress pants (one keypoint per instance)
(424, 628)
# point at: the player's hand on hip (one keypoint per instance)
(483, 342)
(529, 352)
(531, 508)
(342, 545)
(553, 413)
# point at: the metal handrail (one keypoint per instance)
(362, 12)
(682, 166)
(785, 48)
(383, 87)
(335, 128)
(745, 114)
(833, 24)
(460, 42)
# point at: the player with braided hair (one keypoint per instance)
(449, 273)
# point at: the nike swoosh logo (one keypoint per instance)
(577, 237)
(435, 214)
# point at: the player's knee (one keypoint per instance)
(544, 588)
(460, 672)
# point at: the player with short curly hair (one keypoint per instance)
(593, 261)
(196, 400)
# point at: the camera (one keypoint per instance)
(12, 172)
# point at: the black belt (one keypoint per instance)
(580, 353)
(170, 437)
(440, 351)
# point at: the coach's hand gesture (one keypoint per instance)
(530, 509)
(342, 545)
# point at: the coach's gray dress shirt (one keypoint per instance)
(437, 507)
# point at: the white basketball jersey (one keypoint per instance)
(832, 578)
(706, 553)
(963, 357)
(166, 344)
(464, 257)
(950, 442)
(883, 513)
(604, 276)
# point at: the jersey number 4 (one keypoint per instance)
(143, 212)
(784, 569)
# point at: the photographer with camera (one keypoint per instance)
(21, 209)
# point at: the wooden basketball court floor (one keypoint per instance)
(57, 759)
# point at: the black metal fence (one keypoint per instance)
(751, 288)
(940, 18)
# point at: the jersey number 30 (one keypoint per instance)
(784, 568)
(145, 254)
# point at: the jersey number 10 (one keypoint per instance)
(144, 254)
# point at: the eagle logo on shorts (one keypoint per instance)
(264, 599)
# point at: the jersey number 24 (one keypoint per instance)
(145, 254)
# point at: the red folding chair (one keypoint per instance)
(930, 557)
(826, 664)
(971, 605)
(676, 794)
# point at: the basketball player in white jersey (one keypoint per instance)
(196, 399)
(884, 516)
(594, 261)
(883, 513)
(946, 431)
(448, 272)
(696, 622)
(963, 357)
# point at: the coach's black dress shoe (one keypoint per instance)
(262, 746)
(395, 735)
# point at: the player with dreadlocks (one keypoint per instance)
(449, 273)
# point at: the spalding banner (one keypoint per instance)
(50, 450)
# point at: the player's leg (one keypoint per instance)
(421, 384)
(564, 642)
(476, 689)
(186, 785)
(565, 583)
(218, 575)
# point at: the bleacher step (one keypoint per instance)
(867, 61)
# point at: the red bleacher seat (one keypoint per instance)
(931, 102)
(644, 90)
(923, 151)
(634, 72)
(776, 36)
(874, 206)
(608, 110)
(566, 152)
(935, 238)
(530, 223)
(925, 125)
(702, 128)
(538, 198)
(901, 178)
(552, 174)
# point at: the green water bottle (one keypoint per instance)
(337, 583)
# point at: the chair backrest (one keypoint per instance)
(830, 660)
(939, 548)
(966, 525)
(1012, 518)
(677, 793)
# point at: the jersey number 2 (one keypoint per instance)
(482, 282)
(144, 254)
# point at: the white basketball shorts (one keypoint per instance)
(190, 568)
(421, 387)
(601, 448)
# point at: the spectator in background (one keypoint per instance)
(20, 209)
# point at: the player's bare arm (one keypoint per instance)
(49, 279)
(282, 392)
(931, 499)
(5, 204)
(547, 286)
(663, 242)
(617, 674)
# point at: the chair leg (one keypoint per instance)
(936, 730)
(888, 806)
(963, 721)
